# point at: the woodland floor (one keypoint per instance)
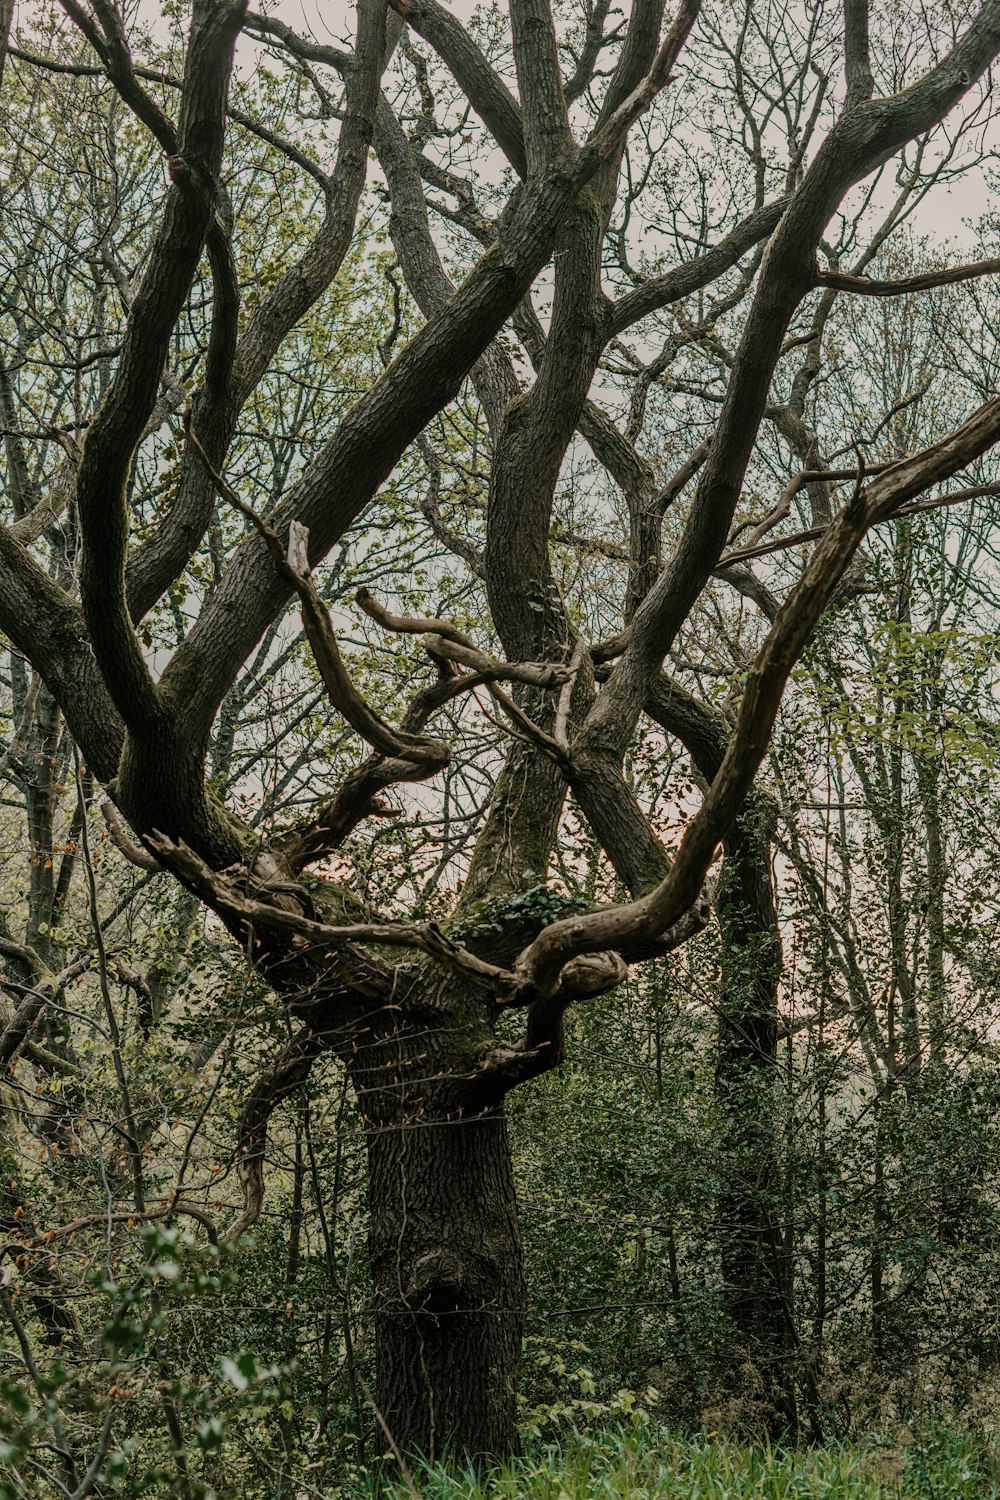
(647, 1464)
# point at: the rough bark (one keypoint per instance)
(446, 1260)
(418, 1038)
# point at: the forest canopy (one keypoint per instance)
(498, 723)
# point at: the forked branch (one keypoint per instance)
(293, 566)
(445, 641)
(540, 965)
(223, 893)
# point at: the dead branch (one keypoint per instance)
(535, 674)
(560, 729)
(446, 640)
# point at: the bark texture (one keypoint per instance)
(444, 1240)
(447, 1274)
(420, 1037)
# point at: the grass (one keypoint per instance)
(647, 1463)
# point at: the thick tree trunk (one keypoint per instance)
(445, 1246)
(448, 1284)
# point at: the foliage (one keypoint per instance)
(643, 1462)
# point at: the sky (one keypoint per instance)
(946, 216)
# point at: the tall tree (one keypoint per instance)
(435, 1024)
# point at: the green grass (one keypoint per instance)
(649, 1464)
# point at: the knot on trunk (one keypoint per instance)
(436, 1281)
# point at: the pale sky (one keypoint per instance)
(945, 215)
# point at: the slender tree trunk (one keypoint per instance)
(753, 1255)
(929, 776)
(877, 1231)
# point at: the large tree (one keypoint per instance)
(665, 207)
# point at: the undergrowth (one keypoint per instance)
(646, 1463)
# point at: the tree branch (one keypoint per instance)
(539, 965)
(857, 60)
(869, 287)
(239, 372)
(294, 567)
(482, 85)
(47, 987)
(681, 281)
(225, 896)
(812, 533)
(111, 439)
(611, 130)
(291, 1068)
(861, 140)
(132, 851)
(544, 119)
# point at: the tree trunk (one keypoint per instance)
(753, 1255)
(445, 1247)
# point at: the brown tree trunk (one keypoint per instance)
(445, 1247)
(447, 1269)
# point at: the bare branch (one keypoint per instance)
(681, 281)
(593, 42)
(445, 640)
(539, 965)
(410, 624)
(289, 1070)
(485, 89)
(612, 131)
(869, 287)
(224, 894)
(344, 696)
(560, 728)
(132, 851)
(812, 533)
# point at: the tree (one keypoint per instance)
(435, 1022)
